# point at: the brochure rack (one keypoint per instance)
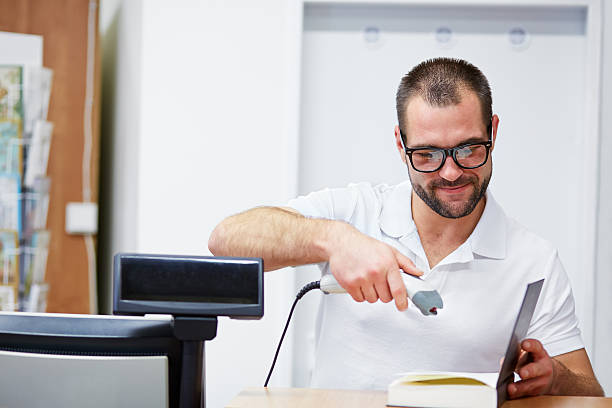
(25, 138)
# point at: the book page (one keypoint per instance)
(449, 378)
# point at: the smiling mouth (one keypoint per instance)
(453, 189)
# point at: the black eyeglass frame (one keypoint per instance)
(452, 152)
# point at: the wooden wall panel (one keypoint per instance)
(63, 24)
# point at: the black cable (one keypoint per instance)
(307, 288)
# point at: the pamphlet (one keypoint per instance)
(37, 87)
(9, 258)
(10, 208)
(37, 260)
(10, 147)
(37, 301)
(38, 153)
(11, 99)
(7, 298)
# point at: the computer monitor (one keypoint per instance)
(94, 361)
(130, 361)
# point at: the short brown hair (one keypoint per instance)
(439, 82)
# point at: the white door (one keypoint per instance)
(538, 61)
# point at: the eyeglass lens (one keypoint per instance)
(466, 156)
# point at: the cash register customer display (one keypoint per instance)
(155, 360)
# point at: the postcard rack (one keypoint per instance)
(25, 140)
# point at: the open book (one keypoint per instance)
(473, 390)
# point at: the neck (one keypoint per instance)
(439, 235)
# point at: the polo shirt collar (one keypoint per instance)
(488, 238)
(396, 213)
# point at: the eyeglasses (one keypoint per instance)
(466, 156)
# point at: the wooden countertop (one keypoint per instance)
(319, 398)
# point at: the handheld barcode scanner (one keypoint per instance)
(426, 298)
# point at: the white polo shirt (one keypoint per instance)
(482, 283)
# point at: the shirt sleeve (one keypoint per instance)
(554, 322)
(332, 204)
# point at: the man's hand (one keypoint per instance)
(369, 269)
(537, 371)
(566, 374)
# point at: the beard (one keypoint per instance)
(452, 209)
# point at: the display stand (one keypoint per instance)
(194, 290)
(25, 139)
(193, 332)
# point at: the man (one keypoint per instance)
(442, 225)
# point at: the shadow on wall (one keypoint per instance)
(109, 39)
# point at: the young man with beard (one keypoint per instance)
(443, 225)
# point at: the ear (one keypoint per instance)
(494, 124)
(399, 144)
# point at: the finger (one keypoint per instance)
(356, 294)
(398, 289)
(524, 358)
(526, 388)
(370, 293)
(535, 348)
(536, 369)
(382, 289)
(532, 351)
(406, 264)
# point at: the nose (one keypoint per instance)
(450, 171)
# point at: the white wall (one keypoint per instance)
(198, 118)
(200, 115)
(603, 317)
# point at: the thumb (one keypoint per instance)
(406, 264)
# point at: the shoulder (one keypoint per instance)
(536, 256)
(495, 225)
(344, 202)
(367, 197)
(524, 252)
(368, 194)
(524, 239)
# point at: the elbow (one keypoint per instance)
(216, 241)
(599, 392)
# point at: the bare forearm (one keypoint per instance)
(566, 382)
(282, 238)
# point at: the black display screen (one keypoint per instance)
(200, 280)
